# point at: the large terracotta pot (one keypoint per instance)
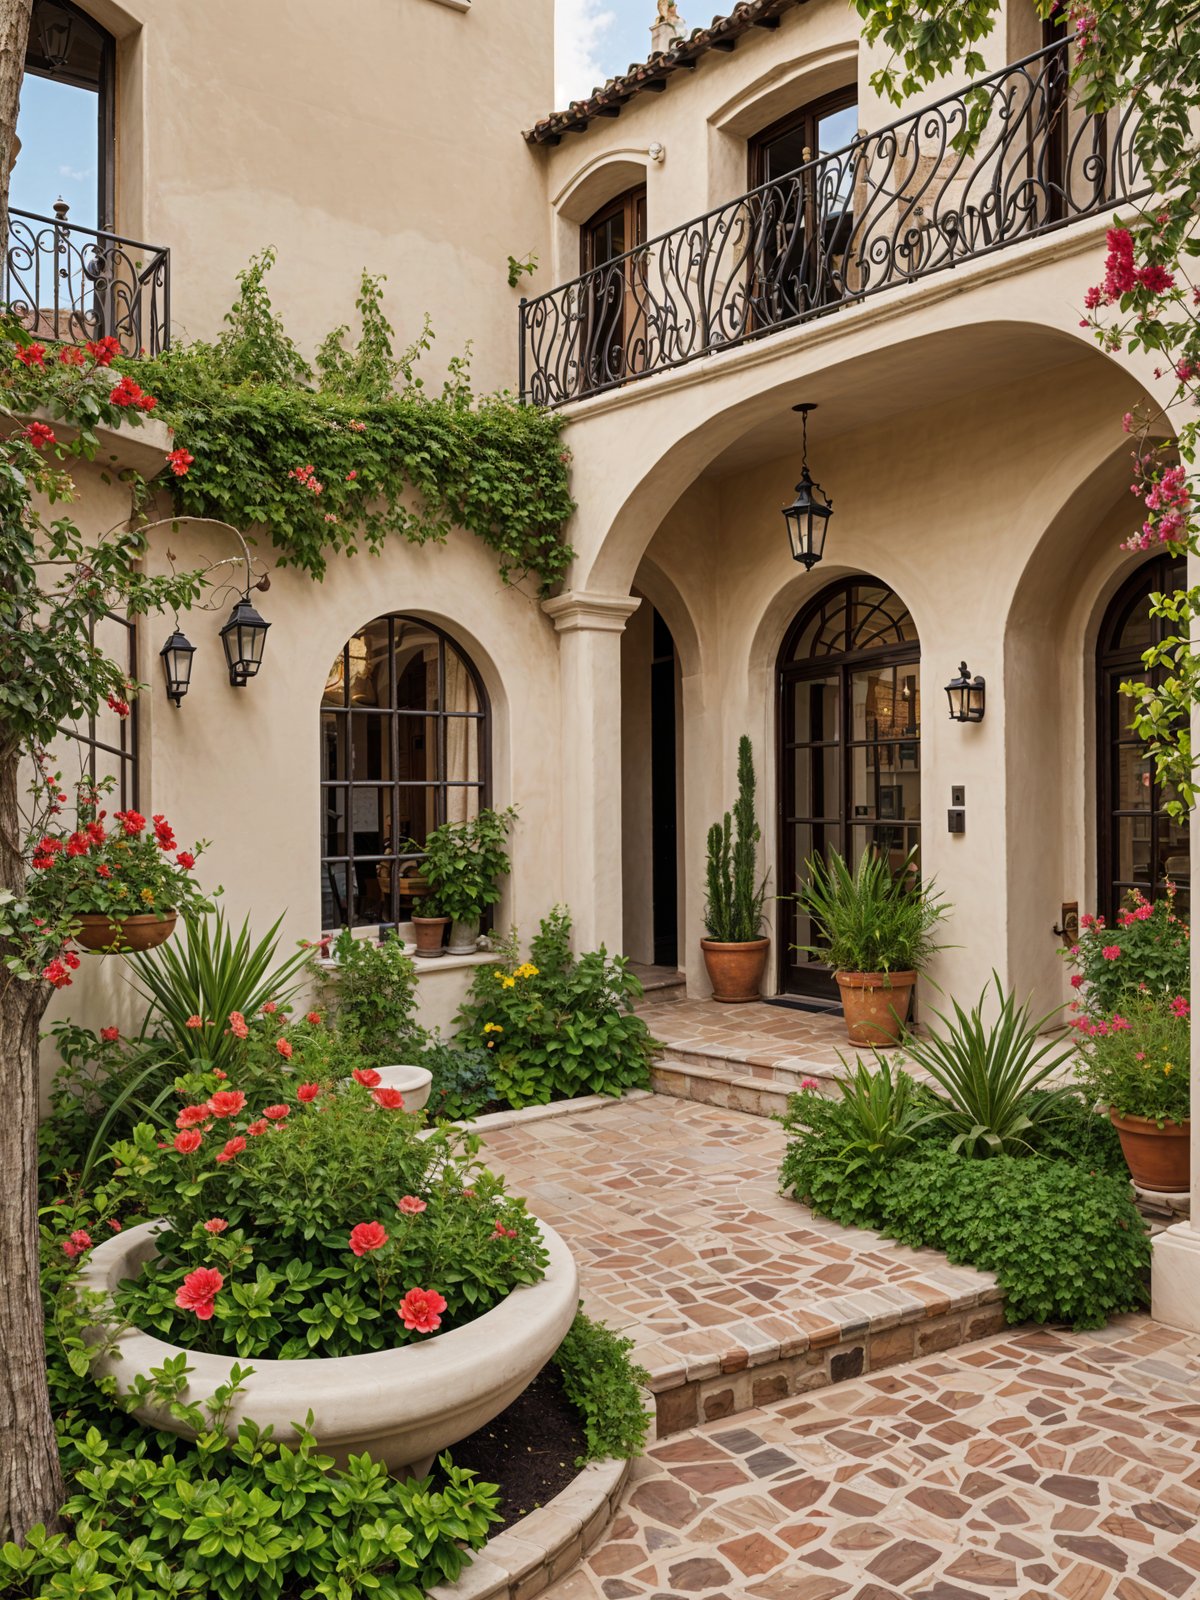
(1157, 1158)
(429, 932)
(735, 970)
(126, 933)
(876, 1005)
(402, 1405)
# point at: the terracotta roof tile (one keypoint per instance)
(721, 35)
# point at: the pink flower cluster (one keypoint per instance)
(1169, 500)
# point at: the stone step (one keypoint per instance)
(661, 989)
(716, 1085)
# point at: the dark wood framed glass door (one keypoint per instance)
(849, 741)
(1140, 845)
(612, 321)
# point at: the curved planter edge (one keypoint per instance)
(392, 1403)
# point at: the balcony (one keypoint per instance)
(67, 283)
(1007, 159)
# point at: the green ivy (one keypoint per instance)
(605, 1388)
(389, 460)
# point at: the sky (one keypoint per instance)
(595, 39)
(57, 128)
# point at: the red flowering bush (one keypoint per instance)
(1146, 954)
(1136, 1061)
(317, 1224)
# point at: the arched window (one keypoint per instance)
(404, 747)
(849, 747)
(1140, 846)
(66, 116)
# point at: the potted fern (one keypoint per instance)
(876, 929)
(735, 952)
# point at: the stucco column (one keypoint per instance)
(590, 626)
(1175, 1272)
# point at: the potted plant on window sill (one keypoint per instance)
(735, 952)
(464, 862)
(1136, 1064)
(429, 929)
(875, 927)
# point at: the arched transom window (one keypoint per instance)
(404, 747)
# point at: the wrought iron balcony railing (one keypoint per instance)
(1006, 159)
(70, 283)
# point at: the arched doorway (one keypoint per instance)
(1140, 846)
(849, 740)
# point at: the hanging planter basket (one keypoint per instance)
(120, 935)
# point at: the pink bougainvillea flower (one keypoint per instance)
(193, 1117)
(237, 1025)
(217, 1073)
(114, 1224)
(284, 1048)
(233, 1147)
(411, 1205)
(1077, 980)
(1180, 1007)
(40, 435)
(365, 1236)
(226, 1102)
(194, 1022)
(31, 355)
(257, 1128)
(1111, 952)
(308, 1092)
(367, 1076)
(215, 1225)
(277, 1113)
(421, 1310)
(389, 1099)
(188, 1141)
(199, 1290)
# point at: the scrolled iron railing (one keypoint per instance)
(1006, 159)
(67, 283)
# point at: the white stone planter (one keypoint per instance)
(402, 1406)
(414, 1083)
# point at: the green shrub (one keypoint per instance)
(462, 1081)
(733, 909)
(373, 991)
(870, 919)
(605, 1388)
(987, 1071)
(465, 860)
(1152, 955)
(1080, 1135)
(557, 1025)
(833, 1161)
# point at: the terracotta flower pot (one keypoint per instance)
(97, 932)
(429, 932)
(876, 1005)
(735, 970)
(1157, 1158)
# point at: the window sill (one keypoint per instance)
(427, 964)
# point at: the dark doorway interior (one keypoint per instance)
(663, 797)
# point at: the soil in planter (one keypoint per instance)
(530, 1450)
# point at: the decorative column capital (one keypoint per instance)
(577, 611)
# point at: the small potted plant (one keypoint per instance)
(735, 952)
(113, 883)
(463, 863)
(429, 929)
(1136, 1065)
(875, 927)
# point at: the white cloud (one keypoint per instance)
(579, 30)
(78, 176)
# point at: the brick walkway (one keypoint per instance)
(733, 1294)
(756, 1035)
(1034, 1464)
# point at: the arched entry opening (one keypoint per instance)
(849, 743)
(651, 788)
(1140, 845)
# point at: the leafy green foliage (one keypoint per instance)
(1137, 1062)
(385, 461)
(373, 988)
(1148, 952)
(987, 1070)
(464, 860)
(605, 1388)
(462, 1080)
(557, 1025)
(870, 919)
(733, 908)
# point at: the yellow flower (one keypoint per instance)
(148, 896)
(492, 1027)
(508, 983)
(528, 970)
(1166, 1069)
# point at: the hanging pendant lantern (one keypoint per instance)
(808, 515)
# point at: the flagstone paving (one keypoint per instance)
(733, 1294)
(1033, 1464)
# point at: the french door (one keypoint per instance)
(849, 732)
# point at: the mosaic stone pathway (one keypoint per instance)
(1034, 1464)
(734, 1295)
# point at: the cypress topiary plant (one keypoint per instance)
(733, 912)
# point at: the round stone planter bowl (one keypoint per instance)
(414, 1083)
(402, 1406)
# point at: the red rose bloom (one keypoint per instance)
(226, 1102)
(163, 834)
(79, 1241)
(103, 350)
(257, 1128)
(179, 461)
(313, 1019)
(132, 823)
(199, 1290)
(308, 1092)
(276, 1113)
(367, 1076)
(110, 1035)
(237, 1025)
(32, 355)
(187, 1142)
(233, 1147)
(215, 1225)
(284, 1048)
(411, 1206)
(365, 1236)
(421, 1310)
(186, 860)
(193, 1117)
(389, 1099)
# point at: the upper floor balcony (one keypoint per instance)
(68, 283)
(1007, 159)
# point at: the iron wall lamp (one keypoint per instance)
(176, 657)
(966, 696)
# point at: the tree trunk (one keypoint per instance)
(14, 34)
(30, 1482)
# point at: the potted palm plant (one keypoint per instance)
(463, 863)
(875, 927)
(735, 952)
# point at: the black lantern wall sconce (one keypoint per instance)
(243, 636)
(808, 515)
(966, 695)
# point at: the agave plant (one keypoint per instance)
(989, 1071)
(208, 974)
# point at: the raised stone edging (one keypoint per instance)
(557, 1108)
(545, 1545)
